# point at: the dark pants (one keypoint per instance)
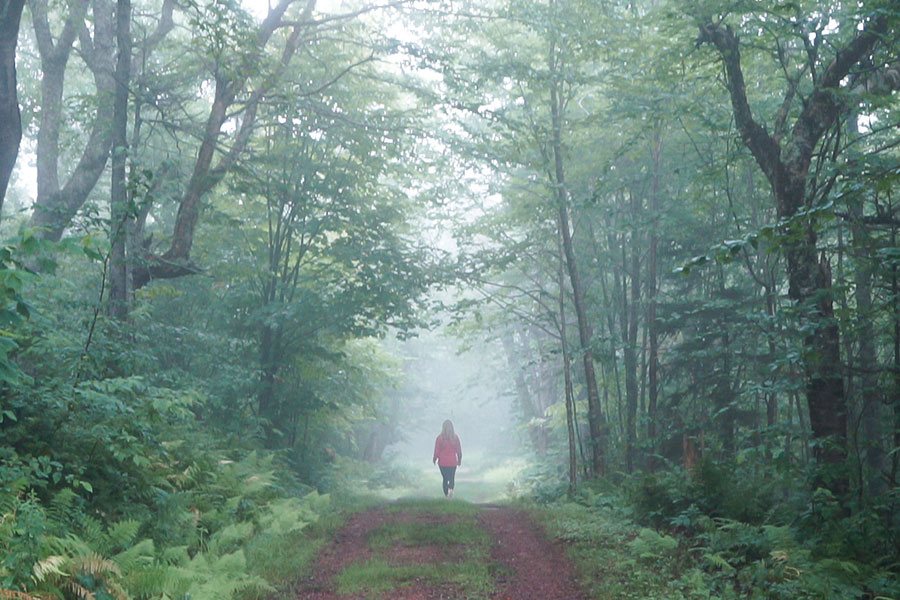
(449, 474)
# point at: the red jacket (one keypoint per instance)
(447, 453)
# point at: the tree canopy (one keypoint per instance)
(668, 228)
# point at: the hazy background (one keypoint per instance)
(449, 379)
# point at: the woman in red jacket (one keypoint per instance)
(448, 456)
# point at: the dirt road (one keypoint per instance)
(440, 550)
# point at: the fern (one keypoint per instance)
(652, 545)
(14, 595)
(61, 509)
(121, 535)
(49, 567)
(136, 557)
(717, 561)
(10, 496)
(95, 566)
(92, 533)
(229, 538)
(78, 590)
(220, 578)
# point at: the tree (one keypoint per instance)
(785, 158)
(10, 119)
(232, 70)
(57, 202)
(121, 213)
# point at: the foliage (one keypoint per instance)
(183, 451)
(697, 556)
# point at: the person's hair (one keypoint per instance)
(447, 430)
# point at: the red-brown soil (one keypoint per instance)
(528, 565)
(536, 568)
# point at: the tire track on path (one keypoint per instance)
(524, 564)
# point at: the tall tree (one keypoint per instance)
(58, 202)
(785, 158)
(10, 119)
(121, 213)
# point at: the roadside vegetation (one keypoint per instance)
(644, 253)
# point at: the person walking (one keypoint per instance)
(448, 456)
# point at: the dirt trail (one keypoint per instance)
(525, 564)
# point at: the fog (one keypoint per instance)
(470, 385)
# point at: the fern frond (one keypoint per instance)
(116, 591)
(9, 499)
(50, 566)
(121, 534)
(14, 595)
(61, 510)
(70, 545)
(92, 533)
(95, 565)
(79, 591)
(136, 557)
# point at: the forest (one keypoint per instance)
(643, 253)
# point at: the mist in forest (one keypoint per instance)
(447, 378)
(644, 255)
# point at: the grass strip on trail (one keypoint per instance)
(458, 533)
(424, 542)
(472, 579)
(433, 506)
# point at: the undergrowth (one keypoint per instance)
(707, 534)
(240, 536)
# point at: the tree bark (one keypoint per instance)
(652, 325)
(10, 118)
(870, 400)
(56, 205)
(630, 313)
(895, 404)
(567, 372)
(121, 214)
(595, 413)
(809, 275)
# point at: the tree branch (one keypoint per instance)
(765, 148)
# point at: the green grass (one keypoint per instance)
(472, 579)
(282, 559)
(611, 563)
(433, 506)
(426, 534)
(481, 479)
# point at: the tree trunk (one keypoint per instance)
(595, 414)
(176, 261)
(771, 396)
(630, 331)
(121, 215)
(567, 372)
(10, 118)
(652, 325)
(809, 275)
(527, 406)
(895, 405)
(725, 398)
(56, 205)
